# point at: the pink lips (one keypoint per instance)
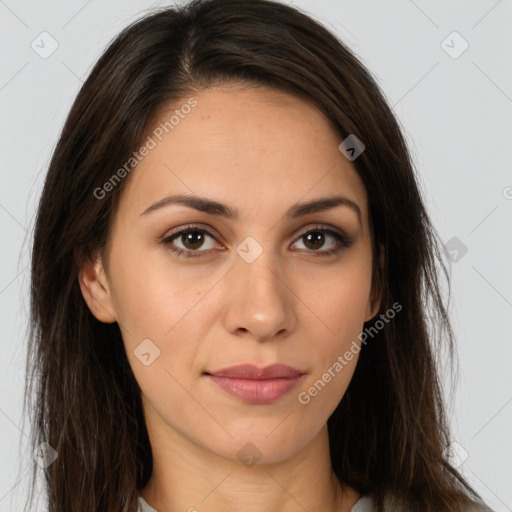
(257, 385)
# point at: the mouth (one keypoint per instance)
(256, 385)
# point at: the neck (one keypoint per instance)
(191, 478)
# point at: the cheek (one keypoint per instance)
(338, 309)
(162, 313)
(152, 294)
(339, 298)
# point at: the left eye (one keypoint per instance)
(193, 237)
(315, 238)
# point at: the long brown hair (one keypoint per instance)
(389, 432)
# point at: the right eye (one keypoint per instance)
(191, 238)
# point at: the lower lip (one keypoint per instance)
(256, 391)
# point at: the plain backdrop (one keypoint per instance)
(446, 69)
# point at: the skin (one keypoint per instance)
(259, 151)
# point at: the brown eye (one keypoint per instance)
(191, 238)
(315, 239)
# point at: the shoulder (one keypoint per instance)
(142, 506)
(366, 503)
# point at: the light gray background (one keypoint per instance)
(456, 113)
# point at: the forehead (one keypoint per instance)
(249, 147)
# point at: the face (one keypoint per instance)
(196, 290)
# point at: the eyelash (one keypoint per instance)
(343, 241)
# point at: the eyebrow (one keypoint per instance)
(212, 207)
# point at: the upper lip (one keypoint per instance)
(251, 371)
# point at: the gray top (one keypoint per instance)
(363, 504)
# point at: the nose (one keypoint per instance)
(259, 299)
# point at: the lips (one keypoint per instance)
(254, 384)
(249, 371)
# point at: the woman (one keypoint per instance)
(232, 273)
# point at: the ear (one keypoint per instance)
(96, 290)
(377, 289)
